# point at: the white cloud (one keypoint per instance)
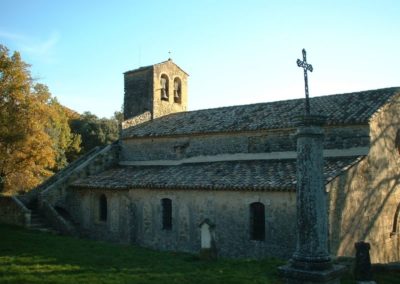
(33, 46)
(12, 36)
(42, 48)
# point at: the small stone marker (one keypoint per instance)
(362, 269)
(205, 236)
(208, 249)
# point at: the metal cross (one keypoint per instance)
(307, 67)
(169, 55)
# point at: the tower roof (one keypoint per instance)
(169, 61)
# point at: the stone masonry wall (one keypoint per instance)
(162, 107)
(364, 199)
(175, 148)
(84, 208)
(13, 212)
(141, 118)
(135, 216)
(138, 92)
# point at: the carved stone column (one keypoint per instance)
(311, 262)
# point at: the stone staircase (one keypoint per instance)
(31, 197)
(45, 209)
(39, 223)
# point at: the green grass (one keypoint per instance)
(34, 257)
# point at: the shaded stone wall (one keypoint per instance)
(143, 91)
(175, 148)
(85, 211)
(364, 199)
(13, 212)
(138, 92)
(135, 216)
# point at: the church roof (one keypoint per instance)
(269, 175)
(341, 109)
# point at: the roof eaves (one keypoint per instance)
(143, 68)
(393, 98)
(188, 187)
(170, 60)
(345, 168)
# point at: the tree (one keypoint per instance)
(95, 131)
(25, 148)
(34, 131)
(119, 117)
(65, 143)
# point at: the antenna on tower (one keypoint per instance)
(139, 55)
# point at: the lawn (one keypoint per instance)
(35, 257)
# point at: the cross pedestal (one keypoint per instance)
(311, 262)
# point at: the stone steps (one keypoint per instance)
(38, 223)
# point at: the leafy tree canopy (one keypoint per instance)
(95, 131)
(35, 137)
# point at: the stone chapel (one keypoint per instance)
(225, 178)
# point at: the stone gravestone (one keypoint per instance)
(362, 269)
(208, 249)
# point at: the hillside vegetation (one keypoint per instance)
(38, 135)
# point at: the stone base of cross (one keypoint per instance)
(301, 276)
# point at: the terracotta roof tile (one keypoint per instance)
(341, 109)
(232, 175)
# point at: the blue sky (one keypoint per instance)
(236, 52)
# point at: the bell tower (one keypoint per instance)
(160, 89)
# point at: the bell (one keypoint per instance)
(176, 94)
(164, 95)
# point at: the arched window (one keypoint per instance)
(166, 205)
(103, 208)
(257, 221)
(397, 141)
(164, 82)
(396, 221)
(177, 90)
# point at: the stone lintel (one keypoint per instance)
(300, 276)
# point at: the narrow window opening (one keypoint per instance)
(103, 208)
(396, 221)
(166, 205)
(397, 141)
(177, 90)
(257, 221)
(164, 87)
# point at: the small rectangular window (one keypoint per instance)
(166, 204)
(257, 221)
(103, 208)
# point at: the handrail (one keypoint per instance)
(34, 192)
(65, 174)
(68, 167)
(56, 220)
(20, 204)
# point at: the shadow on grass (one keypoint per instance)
(34, 257)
